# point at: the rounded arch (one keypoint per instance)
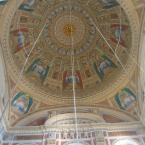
(98, 111)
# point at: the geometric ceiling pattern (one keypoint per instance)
(70, 30)
(51, 46)
(55, 42)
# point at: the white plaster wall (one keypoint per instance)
(141, 68)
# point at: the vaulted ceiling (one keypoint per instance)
(49, 44)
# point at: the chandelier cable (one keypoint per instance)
(73, 76)
(115, 54)
(22, 70)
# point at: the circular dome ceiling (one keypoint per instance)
(59, 31)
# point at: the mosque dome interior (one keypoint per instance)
(72, 72)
